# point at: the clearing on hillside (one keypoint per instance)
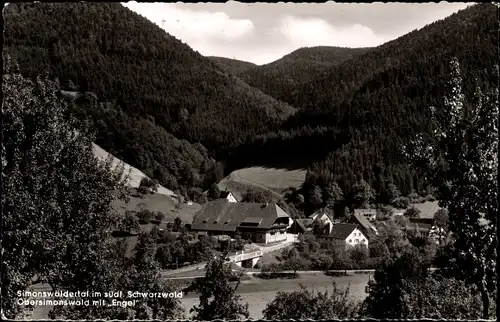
(427, 209)
(155, 202)
(159, 202)
(260, 178)
(135, 175)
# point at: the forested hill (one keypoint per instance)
(283, 76)
(367, 107)
(232, 66)
(461, 34)
(153, 83)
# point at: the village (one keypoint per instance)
(234, 161)
(266, 228)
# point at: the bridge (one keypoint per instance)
(246, 259)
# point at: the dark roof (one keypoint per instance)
(342, 231)
(221, 215)
(361, 220)
(421, 227)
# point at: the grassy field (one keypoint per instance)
(156, 202)
(257, 293)
(261, 178)
(159, 202)
(427, 209)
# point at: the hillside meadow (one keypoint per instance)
(262, 178)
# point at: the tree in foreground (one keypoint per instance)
(436, 297)
(385, 292)
(461, 159)
(56, 200)
(218, 297)
(304, 304)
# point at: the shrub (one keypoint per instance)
(414, 197)
(145, 216)
(303, 304)
(129, 222)
(159, 216)
(412, 212)
(430, 197)
(384, 213)
(148, 186)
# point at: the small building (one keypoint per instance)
(364, 225)
(369, 214)
(258, 222)
(347, 235)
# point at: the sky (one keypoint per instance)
(264, 32)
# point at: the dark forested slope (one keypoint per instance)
(152, 83)
(367, 107)
(282, 77)
(232, 66)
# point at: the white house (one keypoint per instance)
(347, 234)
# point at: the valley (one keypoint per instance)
(328, 158)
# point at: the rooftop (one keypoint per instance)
(342, 231)
(220, 215)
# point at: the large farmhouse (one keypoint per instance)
(260, 223)
(347, 235)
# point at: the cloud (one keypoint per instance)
(262, 32)
(200, 29)
(308, 32)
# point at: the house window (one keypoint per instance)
(357, 241)
(350, 240)
(363, 241)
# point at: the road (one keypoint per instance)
(254, 271)
(201, 266)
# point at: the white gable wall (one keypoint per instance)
(356, 237)
(231, 198)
